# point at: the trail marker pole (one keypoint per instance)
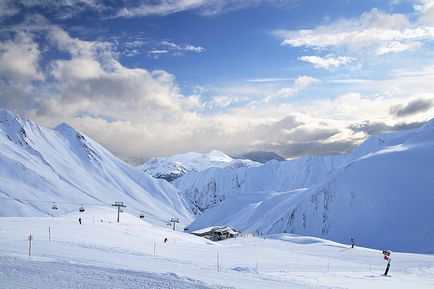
(30, 238)
(386, 254)
(218, 262)
(119, 205)
(154, 248)
(49, 234)
(387, 267)
(257, 266)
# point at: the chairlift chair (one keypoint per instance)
(81, 210)
(54, 206)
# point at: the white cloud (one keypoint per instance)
(394, 47)
(8, 8)
(222, 101)
(268, 79)
(183, 47)
(66, 9)
(19, 58)
(301, 83)
(327, 62)
(140, 113)
(89, 81)
(426, 8)
(77, 69)
(375, 29)
(161, 8)
(204, 7)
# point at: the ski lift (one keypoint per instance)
(141, 216)
(54, 206)
(81, 210)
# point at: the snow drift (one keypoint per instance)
(40, 166)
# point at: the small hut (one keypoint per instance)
(217, 233)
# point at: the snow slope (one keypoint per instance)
(208, 188)
(382, 194)
(121, 255)
(40, 166)
(173, 167)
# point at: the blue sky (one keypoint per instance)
(160, 77)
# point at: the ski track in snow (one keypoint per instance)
(19, 273)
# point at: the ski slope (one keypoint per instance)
(39, 166)
(121, 255)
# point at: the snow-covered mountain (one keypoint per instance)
(173, 167)
(40, 166)
(382, 194)
(260, 156)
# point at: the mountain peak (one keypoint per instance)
(64, 127)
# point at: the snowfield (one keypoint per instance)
(121, 255)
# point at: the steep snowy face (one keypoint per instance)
(206, 189)
(40, 166)
(171, 168)
(381, 194)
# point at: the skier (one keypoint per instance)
(352, 242)
(79, 220)
(165, 240)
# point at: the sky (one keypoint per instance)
(160, 77)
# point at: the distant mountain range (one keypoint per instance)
(260, 156)
(173, 167)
